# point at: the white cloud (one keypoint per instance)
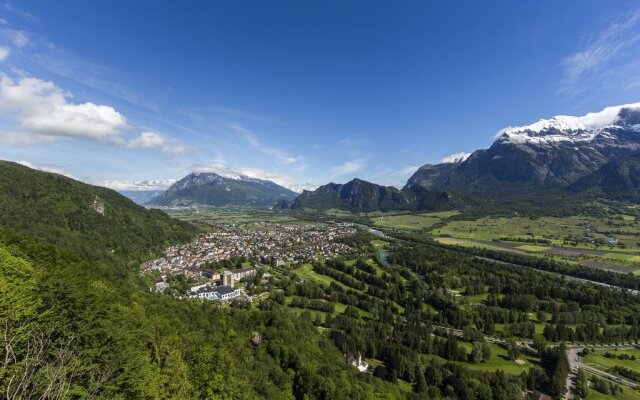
(147, 140)
(42, 112)
(43, 108)
(4, 53)
(456, 157)
(137, 185)
(154, 141)
(280, 156)
(604, 53)
(348, 167)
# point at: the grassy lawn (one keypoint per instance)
(598, 359)
(497, 361)
(628, 394)
(305, 271)
(314, 313)
(338, 307)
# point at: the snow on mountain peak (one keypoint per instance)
(455, 158)
(574, 129)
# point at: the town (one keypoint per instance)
(213, 263)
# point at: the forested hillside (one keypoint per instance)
(90, 220)
(78, 324)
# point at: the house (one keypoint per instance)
(611, 240)
(356, 360)
(535, 395)
(197, 287)
(229, 278)
(226, 292)
(161, 286)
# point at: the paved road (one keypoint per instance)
(575, 362)
(615, 378)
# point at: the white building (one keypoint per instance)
(215, 293)
(356, 360)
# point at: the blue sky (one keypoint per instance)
(136, 94)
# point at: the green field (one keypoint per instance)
(598, 359)
(305, 271)
(497, 361)
(628, 394)
(511, 234)
(411, 221)
(532, 247)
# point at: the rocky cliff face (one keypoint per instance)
(362, 196)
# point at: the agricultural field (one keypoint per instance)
(574, 239)
(231, 215)
(410, 221)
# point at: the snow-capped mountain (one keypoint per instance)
(556, 151)
(566, 128)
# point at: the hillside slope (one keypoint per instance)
(215, 190)
(81, 217)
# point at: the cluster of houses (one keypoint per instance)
(609, 240)
(278, 243)
(256, 241)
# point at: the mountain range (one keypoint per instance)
(362, 196)
(591, 155)
(208, 188)
(552, 152)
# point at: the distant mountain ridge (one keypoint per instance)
(553, 152)
(362, 196)
(141, 196)
(209, 188)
